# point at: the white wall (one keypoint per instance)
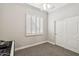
(67, 11)
(12, 23)
(0, 22)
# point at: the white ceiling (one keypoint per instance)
(54, 6)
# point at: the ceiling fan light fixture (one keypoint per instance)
(46, 6)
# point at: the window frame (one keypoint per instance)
(37, 34)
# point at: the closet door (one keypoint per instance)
(71, 34)
(60, 33)
(66, 34)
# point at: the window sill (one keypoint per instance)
(30, 35)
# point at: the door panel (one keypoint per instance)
(60, 33)
(71, 32)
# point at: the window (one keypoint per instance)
(34, 25)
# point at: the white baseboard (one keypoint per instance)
(51, 42)
(27, 46)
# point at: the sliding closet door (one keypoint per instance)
(71, 34)
(60, 33)
(66, 34)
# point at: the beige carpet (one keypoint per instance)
(45, 49)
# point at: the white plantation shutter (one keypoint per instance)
(34, 25)
(28, 24)
(41, 25)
